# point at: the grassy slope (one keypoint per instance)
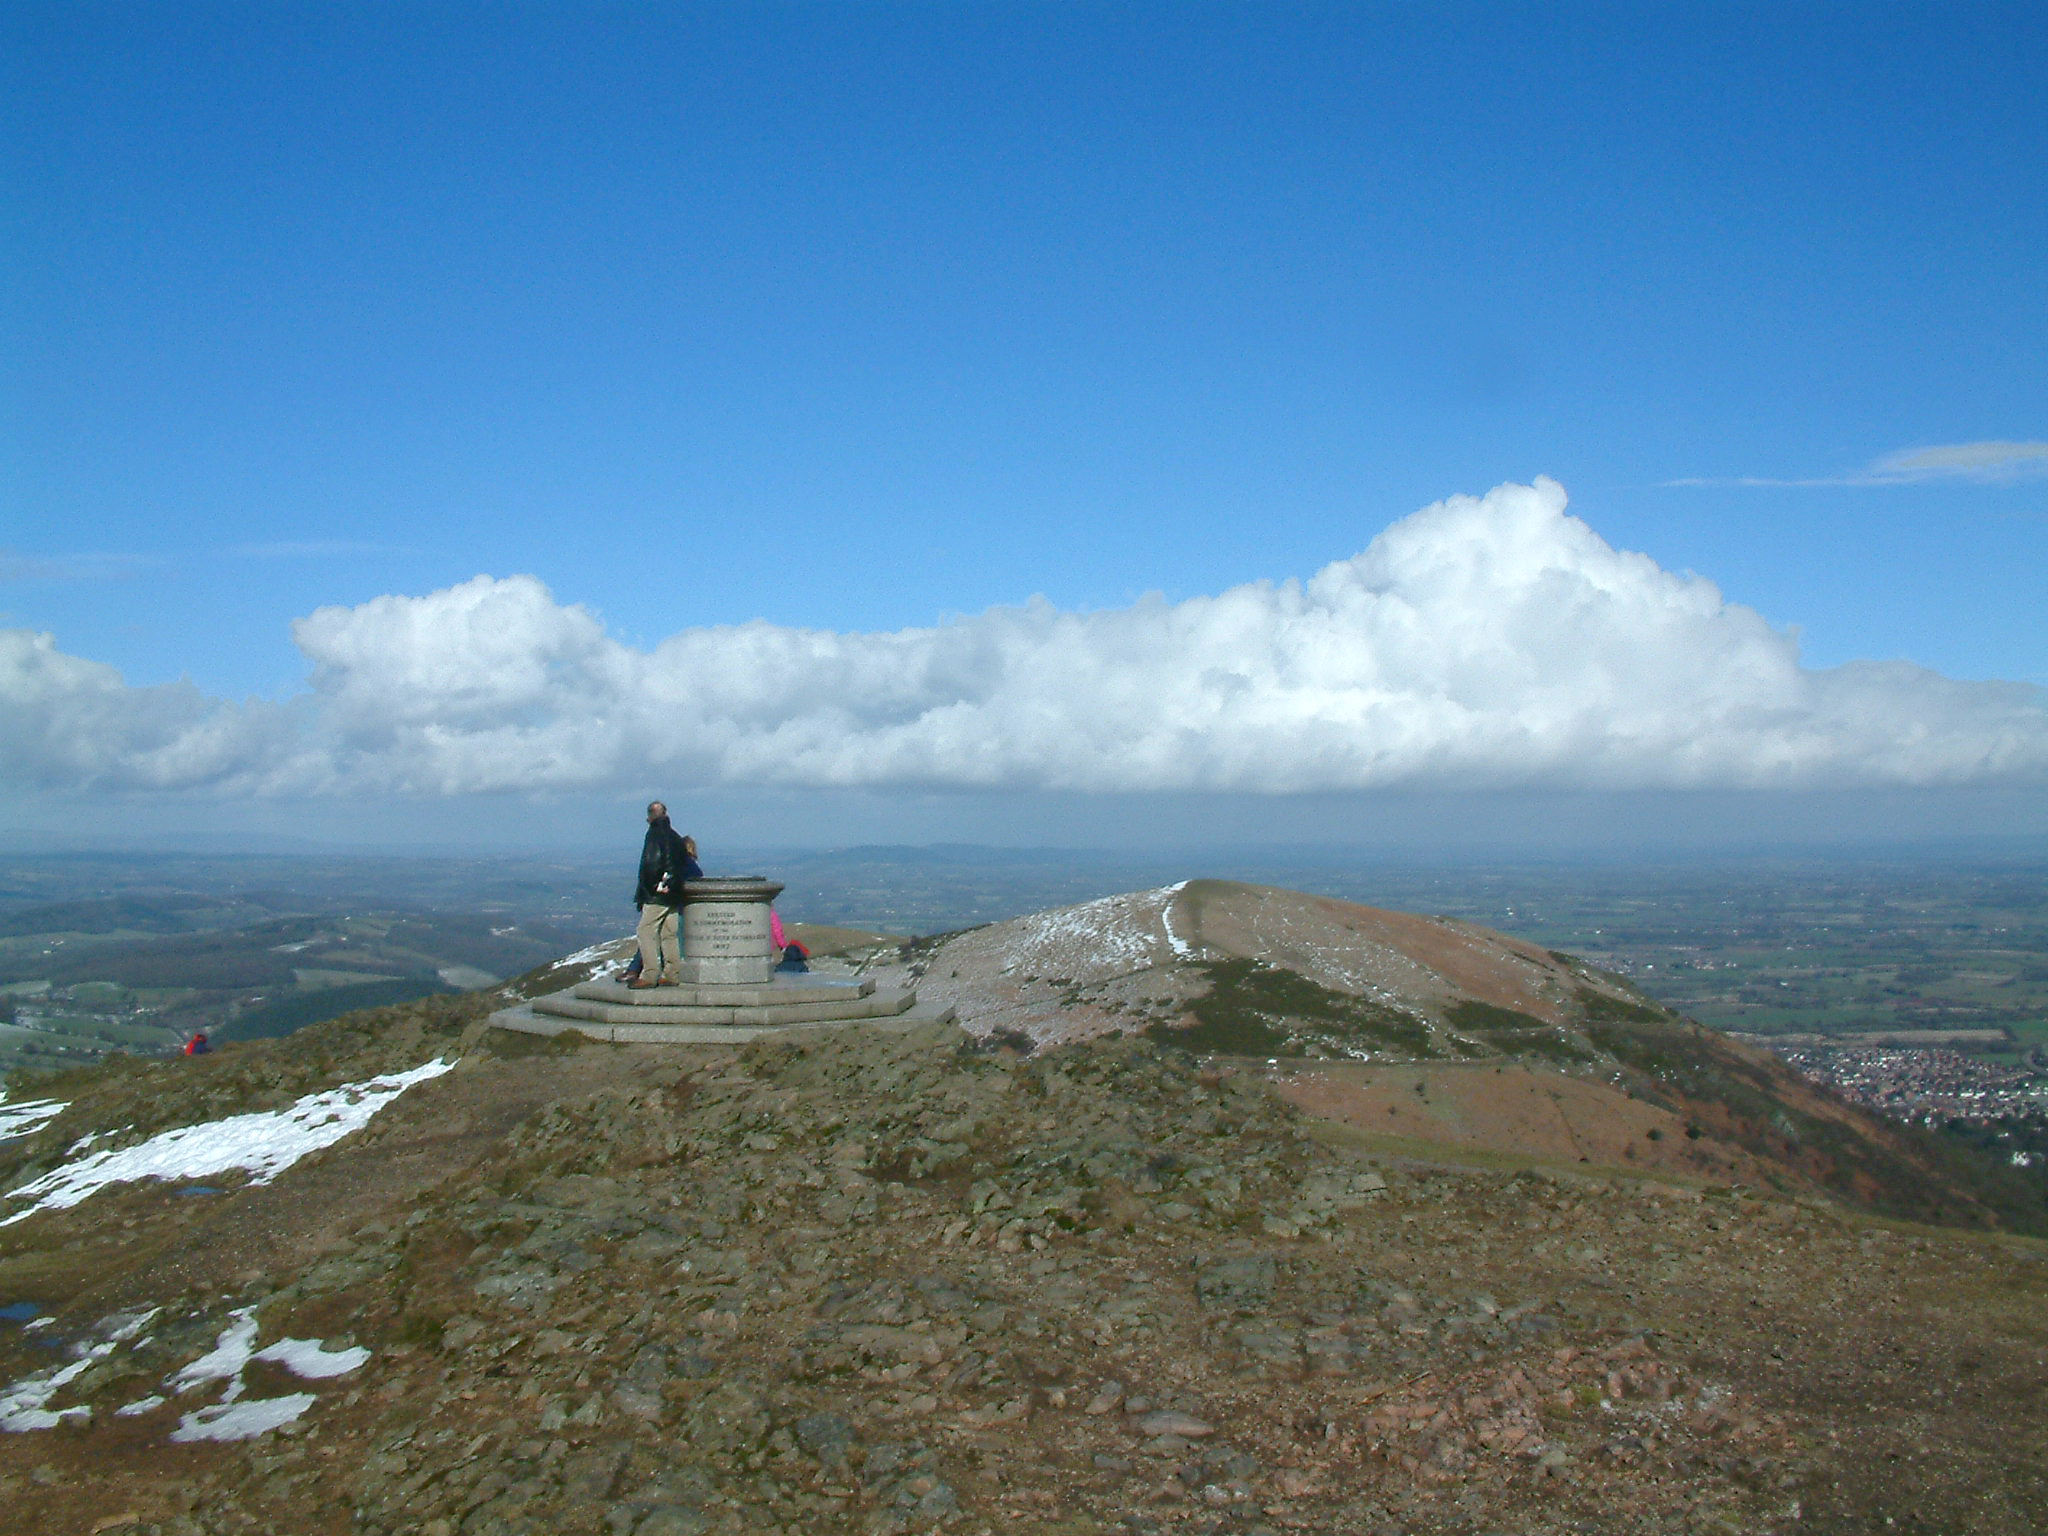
(1745, 1097)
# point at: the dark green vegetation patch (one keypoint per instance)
(1514, 1033)
(1255, 1009)
(294, 1013)
(1603, 1009)
(1476, 1017)
(173, 912)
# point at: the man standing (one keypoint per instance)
(664, 865)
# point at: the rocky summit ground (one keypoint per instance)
(884, 1281)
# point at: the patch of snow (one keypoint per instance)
(585, 956)
(1180, 945)
(140, 1406)
(25, 1119)
(263, 1143)
(224, 1362)
(310, 1360)
(22, 1405)
(236, 1418)
(25, 1405)
(242, 1420)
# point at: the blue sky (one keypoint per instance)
(854, 317)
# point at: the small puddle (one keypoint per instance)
(196, 1189)
(21, 1312)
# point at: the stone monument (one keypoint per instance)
(730, 989)
(725, 930)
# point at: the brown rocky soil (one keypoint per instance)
(1351, 948)
(1547, 1117)
(891, 1282)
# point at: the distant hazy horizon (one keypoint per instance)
(1407, 829)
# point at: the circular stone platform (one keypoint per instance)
(730, 988)
(712, 1015)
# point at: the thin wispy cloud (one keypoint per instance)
(17, 566)
(312, 549)
(1993, 463)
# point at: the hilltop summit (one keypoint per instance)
(1070, 1268)
(1088, 969)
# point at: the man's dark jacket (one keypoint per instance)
(662, 856)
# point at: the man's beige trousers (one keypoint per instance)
(661, 946)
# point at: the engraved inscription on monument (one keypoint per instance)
(721, 928)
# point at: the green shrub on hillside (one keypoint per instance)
(1603, 1009)
(1511, 1032)
(1255, 1009)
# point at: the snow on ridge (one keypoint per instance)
(27, 1117)
(1113, 933)
(1181, 948)
(264, 1143)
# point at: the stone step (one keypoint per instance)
(527, 1020)
(766, 994)
(871, 1004)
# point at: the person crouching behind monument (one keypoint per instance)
(666, 861)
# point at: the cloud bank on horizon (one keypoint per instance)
(1484, 642)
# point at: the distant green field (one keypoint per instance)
(2030, 1032)
(71, 1023)
(117, 1032)
(139, 953)
(311, 980)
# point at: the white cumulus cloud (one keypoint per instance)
(66, 721)
(1484, 641)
